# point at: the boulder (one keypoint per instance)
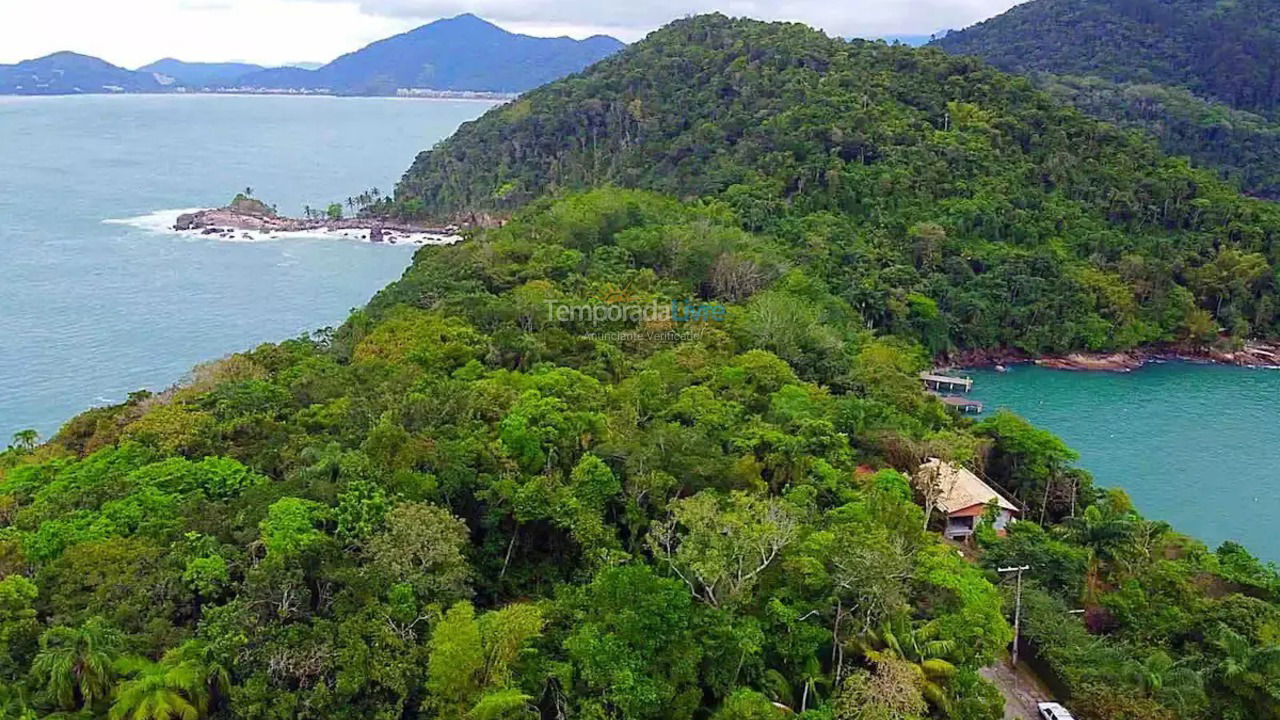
(186, 221)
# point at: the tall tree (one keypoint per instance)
(75, 665)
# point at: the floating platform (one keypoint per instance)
(946, 383)
(964, 405)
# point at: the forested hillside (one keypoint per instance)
(1228, 51)
(1201, 77)
(942, 198)
(1242, 147)
(462, 504)
(648, 456)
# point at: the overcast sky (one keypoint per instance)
(272, 32)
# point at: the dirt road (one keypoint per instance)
(1021, 689)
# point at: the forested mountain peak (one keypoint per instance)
(1229, 51)
(1014, 220)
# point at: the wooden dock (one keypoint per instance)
(946, 383)
(964, 405)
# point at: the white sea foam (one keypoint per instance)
(162, 222)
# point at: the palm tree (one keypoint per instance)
(1251, 670)
(920, 648)
(1161, 678)
(166, 690)
(1105, 532)
(74, 665)
(216, 676)
(14, 704)
(26, 439)
(324, 462)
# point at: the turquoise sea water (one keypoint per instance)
(1196, 445)
(92, 309)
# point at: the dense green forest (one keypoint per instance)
(1242, 147)
(1201, 76)
(648, 453)
(1228, 51)
(942, 198)
(461, 505)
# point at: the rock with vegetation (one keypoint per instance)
(246, 212)
(246, 204)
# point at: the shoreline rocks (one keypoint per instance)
(230, 219)
(1109, 362)
(1254, 353)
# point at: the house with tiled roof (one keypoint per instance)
(963, 497)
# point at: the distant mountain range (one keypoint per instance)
(201, 75)
(68, 73)
(463, 53)
(460, 53)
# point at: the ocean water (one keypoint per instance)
(97, 299)
(1195, 445)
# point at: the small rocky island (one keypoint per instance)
(247, 215)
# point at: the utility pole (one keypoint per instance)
(1017, 606)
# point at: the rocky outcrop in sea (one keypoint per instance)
(250, 215)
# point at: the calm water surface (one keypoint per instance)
(92, 309)
(1196, 445)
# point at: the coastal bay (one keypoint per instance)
(1194, 445)
(105, 299)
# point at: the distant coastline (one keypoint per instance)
(230, 93)
(412, 93)
(406, 93)
(463, 57)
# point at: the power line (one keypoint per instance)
(1017, 606)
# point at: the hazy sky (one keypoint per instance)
(134, 32)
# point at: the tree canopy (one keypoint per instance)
(935, 196)
(691, 499)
